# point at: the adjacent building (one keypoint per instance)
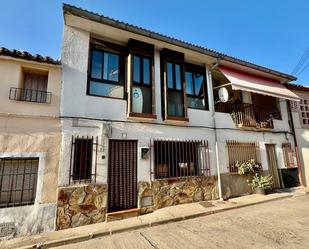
(30, 138)
(300, 113)
(149, 121)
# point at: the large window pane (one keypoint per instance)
(198, 82)
(189, 83)
(178, 77)
(111, 67)
(141, 100)
(146, 73)
(170, 75)
(175, 104)
(136, 69)
(96, 65)
(107, 90)
(195, 102)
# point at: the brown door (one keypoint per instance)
(122, 175)
(272, 164)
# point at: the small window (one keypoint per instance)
(175, 105)
(82, 161)
(106, 77)
(18, 181)
(195, 90)
(304, 111)
(242, 152)
(288, 155)
(142, 85)
(175, 158)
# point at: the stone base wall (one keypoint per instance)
(164, 193)
(81, 205)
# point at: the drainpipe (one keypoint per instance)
(212, 108)
(300, 172)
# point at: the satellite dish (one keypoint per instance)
(223, 95)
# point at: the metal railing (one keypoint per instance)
(249, 115)
(242, 152)
(180, 158)
(18, 181)
(29, 95)
(83, 163)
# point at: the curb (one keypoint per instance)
(81, 238)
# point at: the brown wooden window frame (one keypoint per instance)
(110, 48)
(174, 158)
(17, 175)
(83, 163)
(242, 152)
(174, 57)
(190, 68)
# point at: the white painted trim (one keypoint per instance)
(41, 169)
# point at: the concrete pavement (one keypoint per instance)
(165, 215)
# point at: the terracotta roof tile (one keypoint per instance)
(27, 56)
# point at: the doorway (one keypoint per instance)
(273, 165)
(122, 175)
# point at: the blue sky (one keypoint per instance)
(272, 33)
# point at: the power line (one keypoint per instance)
(304, 68)
(301, 61)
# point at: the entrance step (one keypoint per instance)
(119, 215)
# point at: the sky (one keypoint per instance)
(270, 33)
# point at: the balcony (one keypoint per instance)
(29, 95)
(249, 115)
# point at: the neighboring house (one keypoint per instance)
(30, 139)
(300, 113)
(143, 128)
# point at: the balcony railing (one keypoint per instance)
(248, 115)
(29, 95)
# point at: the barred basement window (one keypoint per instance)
(242, 152)
(18, 181)
(83, 159)
(174, 158)
(288, 155)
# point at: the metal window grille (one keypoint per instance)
(18, 181)
(180, 158)
(294, 105)
(242, 152)
(29, 95)
(83, 166)
(288, 155)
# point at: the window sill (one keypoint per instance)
(142, 115)
(174, 118)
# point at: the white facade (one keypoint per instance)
(93, 113)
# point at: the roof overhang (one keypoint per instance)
(211, 54)
(252, 83)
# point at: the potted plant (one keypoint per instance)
(260, 184)
(249, 167)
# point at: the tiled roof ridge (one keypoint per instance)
(28, 56)
(112, 21)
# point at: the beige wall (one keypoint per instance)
(35, 135)
(11, 75)
(27, 127)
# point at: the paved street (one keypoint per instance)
(278, 224)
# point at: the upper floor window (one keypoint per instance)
(196, 88)
(106, 77)
(175, 101)
(142, 85)
(33, 87)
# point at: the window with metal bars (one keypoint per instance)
(18, 181)
(242, 152)
(83, 159)
(180, 158)
(288, 155)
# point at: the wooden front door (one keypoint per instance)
(122, 175)
(273, 165)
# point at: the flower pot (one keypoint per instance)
(260, 191)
